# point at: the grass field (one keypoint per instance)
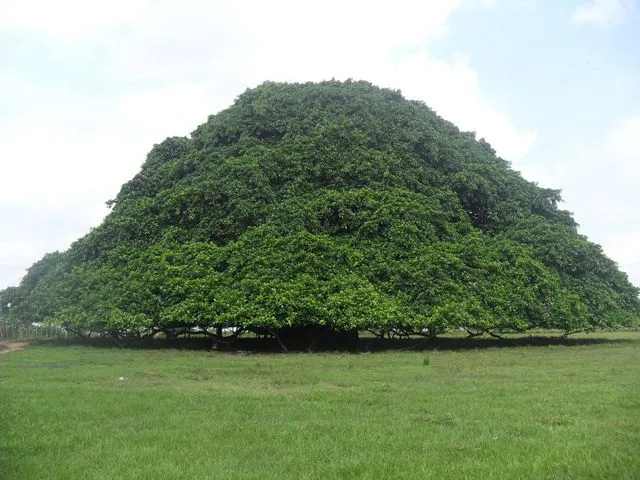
(542, 412)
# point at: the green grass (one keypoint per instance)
(554, 412)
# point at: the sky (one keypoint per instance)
(87, 88)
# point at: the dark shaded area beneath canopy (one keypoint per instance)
(298, 341)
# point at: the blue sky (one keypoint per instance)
(86, 89)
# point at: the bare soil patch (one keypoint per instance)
(7, 346)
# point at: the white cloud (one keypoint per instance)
(625, 84)
(66, 19)
(621, 152)
(605, 12)
(623, 143)
(280, 38)
(452, 90)
(360, 42)
(599, 180)
(624, 247)
(158, 68)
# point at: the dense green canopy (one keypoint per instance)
(334, 205)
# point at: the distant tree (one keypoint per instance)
(7, 297)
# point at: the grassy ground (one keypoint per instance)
(554, 412)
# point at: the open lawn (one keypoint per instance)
(543, 412)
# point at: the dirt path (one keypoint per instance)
(11, 346)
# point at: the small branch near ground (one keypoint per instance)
(494, 335)
(150, 333)
(76, 332)
(277, 337)
(566, 334)
(114, 339)
(405, 332)
(378, 333)
(220, 338)
(474, 334)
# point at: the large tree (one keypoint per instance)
(331, 207)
